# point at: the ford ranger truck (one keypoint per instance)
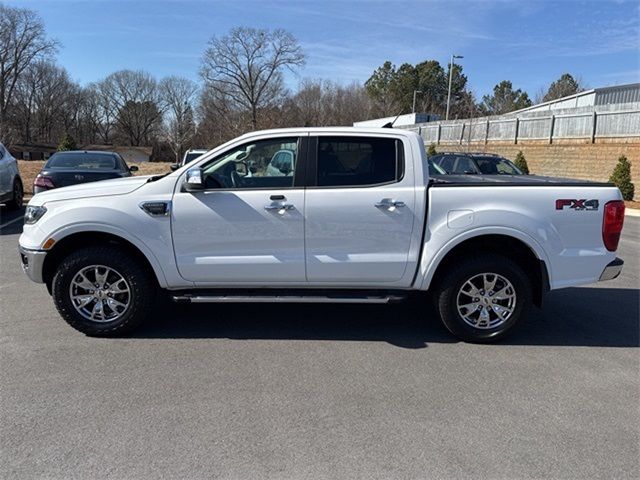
(354, 218)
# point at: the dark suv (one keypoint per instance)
(475, 164)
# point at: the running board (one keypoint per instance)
(284, 299)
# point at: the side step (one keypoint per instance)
(204, 298)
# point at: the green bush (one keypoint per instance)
(67, 143)
(621, 177)
(521, 163)
(431, 151)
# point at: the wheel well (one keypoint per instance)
(510, 247)
(85, 239)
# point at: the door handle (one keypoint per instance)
(285, 206)
(387, 203)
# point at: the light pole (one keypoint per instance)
(453, 57)
(413, 109)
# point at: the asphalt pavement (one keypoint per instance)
(321, 391)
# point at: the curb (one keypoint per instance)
(632, 212)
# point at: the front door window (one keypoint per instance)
(261, 164)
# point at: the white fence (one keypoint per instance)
(588, 125)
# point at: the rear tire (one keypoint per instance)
(103, 291)
(474, 314)
(18, 196)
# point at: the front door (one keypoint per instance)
(247, 226)
(360, 212)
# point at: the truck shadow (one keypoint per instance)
(589, 317)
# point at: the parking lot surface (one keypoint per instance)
(321, 391)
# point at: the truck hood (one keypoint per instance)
(118, 186)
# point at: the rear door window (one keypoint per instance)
(357, 161)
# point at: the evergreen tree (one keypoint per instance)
(504, 99)
(391, 88)
(431, 151)
(621, 177)
(67, 143)
(521, 163)
(566, 85)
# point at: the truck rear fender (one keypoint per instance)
(496, 239)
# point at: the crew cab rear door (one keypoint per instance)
(360, 211)
(247, 226)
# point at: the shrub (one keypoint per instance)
(431, 151)
(621, 177)
(521, 163)
(67, 143)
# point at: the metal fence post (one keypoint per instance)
(594, 123)
(439, 134)
(515, 138)
(553, 121)
(486, 133)
(462, 133)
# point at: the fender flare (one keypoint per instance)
(435, 261)
(88, 227)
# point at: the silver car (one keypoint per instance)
(11, 189)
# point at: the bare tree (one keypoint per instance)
(45, 103)
(22, 42)
(323, 103)
(178, 95)
(98, 110)
(135, 97)
(218, 121)
(246, 67)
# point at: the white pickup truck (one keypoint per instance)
(353, 217)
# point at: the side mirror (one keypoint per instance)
(194, 181)
(133, 168)
(174, 166)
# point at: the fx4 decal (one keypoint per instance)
(576, 204)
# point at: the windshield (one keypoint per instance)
(496, 166)
(82, 161)
(435, 169)
(190, 157)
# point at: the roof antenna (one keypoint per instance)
(390, 124)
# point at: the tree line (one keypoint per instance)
(242, 88)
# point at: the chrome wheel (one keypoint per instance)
(486, 300)
(99, 293)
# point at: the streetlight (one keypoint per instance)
(453, 57)
(413, 109)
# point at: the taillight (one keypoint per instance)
(43, 182)
(612, 224)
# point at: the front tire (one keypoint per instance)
(482, 299)
(102, 291)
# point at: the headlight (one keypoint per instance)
(33, 214)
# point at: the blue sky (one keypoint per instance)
(530, 43)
